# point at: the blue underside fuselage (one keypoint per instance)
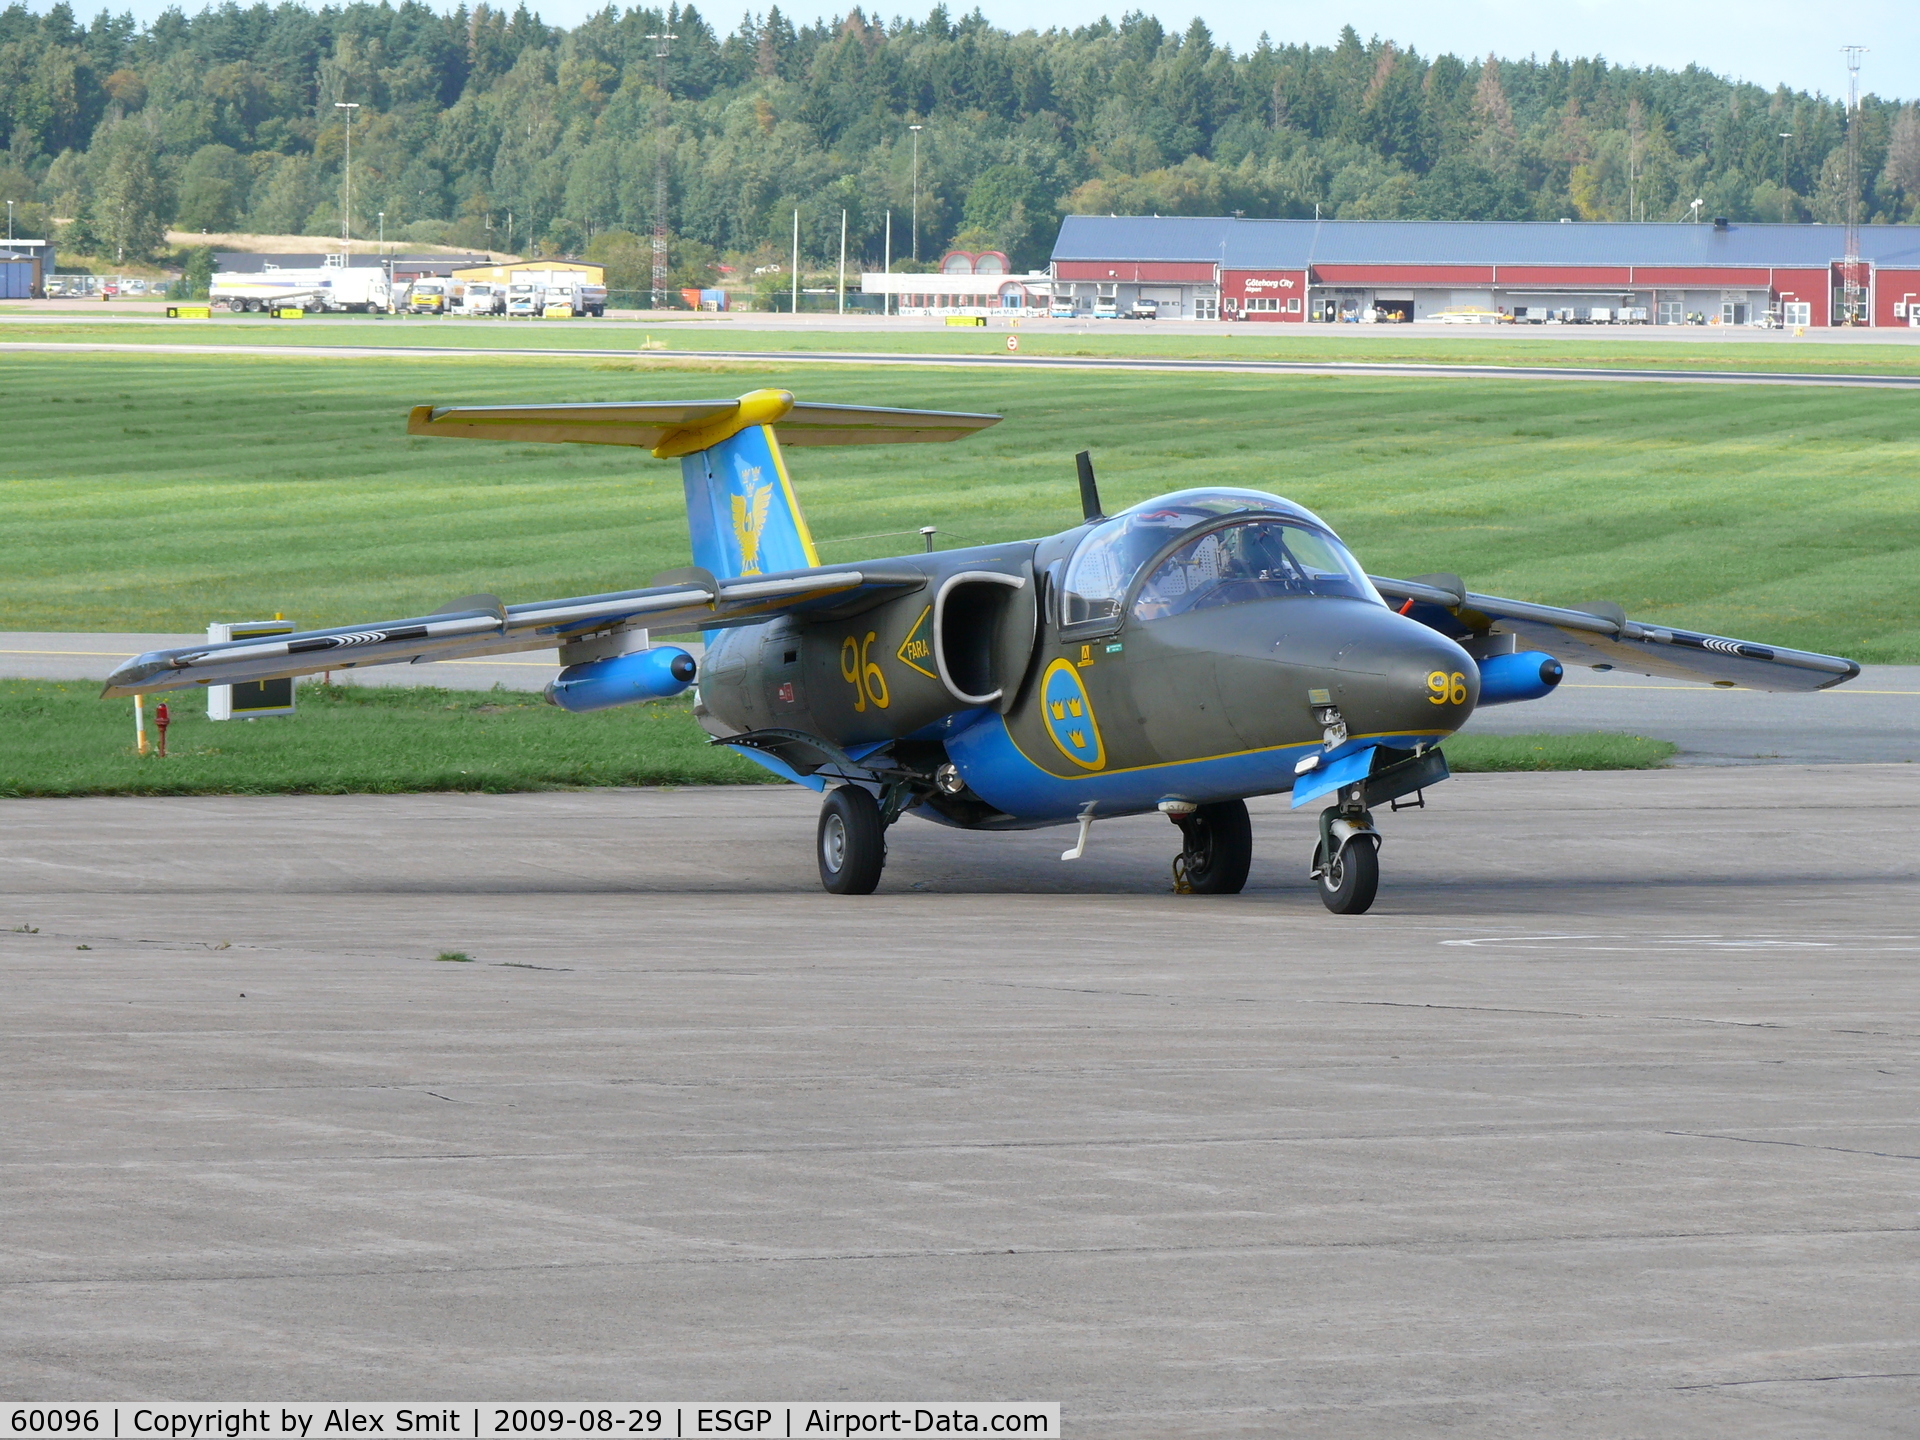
(995, 769)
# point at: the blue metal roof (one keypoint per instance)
(1295, 244)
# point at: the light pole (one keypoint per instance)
(346, 209)
(916, 129)
(665, 114)
(1785, 135)
(9, 222)
(1695, 208)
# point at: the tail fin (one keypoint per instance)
(741, 510)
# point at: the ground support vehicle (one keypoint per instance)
(432, 296)
(481, 298)
(326, 288)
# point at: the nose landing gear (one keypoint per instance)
(1346, 862)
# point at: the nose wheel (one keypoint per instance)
(1349, 881)
(1346, 862)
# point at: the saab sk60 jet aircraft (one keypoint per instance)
(1189, 652)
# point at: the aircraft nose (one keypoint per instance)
(1432, 685)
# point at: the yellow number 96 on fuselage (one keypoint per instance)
(1445, 689)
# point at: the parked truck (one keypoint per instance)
(525, 300)
(481, 297)
(430, 295)
(570, 288)
(322, 288)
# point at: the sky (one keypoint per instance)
(1769, 42)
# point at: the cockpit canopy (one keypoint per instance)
(1278, 549)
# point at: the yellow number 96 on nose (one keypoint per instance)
(1447, 689)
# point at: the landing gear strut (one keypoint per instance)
(1218, 849)
(1346, 862)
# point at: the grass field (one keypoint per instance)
(62, 740)
(158, 492)
(1574, 347)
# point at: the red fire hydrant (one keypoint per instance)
(161, 719)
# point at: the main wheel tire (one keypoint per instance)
(1219, 848)
(1349, 883)
(851, 844)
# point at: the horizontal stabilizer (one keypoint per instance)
(543, 625)
(679, 427)
(1605, 639)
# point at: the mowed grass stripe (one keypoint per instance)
(160, 492)
(1572, 347)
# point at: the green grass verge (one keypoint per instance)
(160, 492)
(61, 739)
(1481, 754)
(1576, 348)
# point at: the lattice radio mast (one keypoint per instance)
(1853, 286)
(662, 43)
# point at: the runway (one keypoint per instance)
(998, 361)
(1602, 1124)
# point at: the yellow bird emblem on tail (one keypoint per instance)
(750, 518)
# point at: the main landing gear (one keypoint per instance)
(852, 841)
(1218, 848)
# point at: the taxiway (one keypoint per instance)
(1602, 1124)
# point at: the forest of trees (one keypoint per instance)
(475, 121)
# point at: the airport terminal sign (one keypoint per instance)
(521, 1421)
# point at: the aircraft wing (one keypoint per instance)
(481, 625)
(1601, 636)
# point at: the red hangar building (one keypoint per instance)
(1303, 271)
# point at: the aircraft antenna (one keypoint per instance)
(1089, 487)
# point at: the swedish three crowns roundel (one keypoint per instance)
(1070, 716)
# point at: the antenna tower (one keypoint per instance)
(662, 41)
(1853, 280)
